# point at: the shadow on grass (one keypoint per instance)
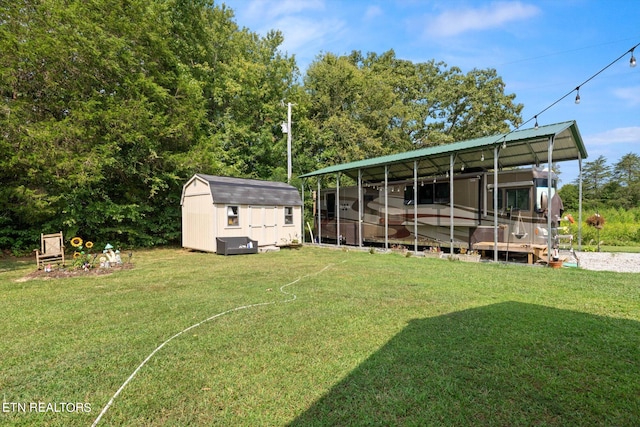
(504, 364)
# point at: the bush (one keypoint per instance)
(619, 228)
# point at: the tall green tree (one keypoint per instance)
(108, 106)
(626, 173)
(627, 169)
(363, 106)
(595, 175)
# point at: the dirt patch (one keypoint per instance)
(61, 273)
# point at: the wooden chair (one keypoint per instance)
(51, 249)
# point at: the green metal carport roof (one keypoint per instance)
(516, 148)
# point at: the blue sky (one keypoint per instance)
(541, 49)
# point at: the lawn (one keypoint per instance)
(320, 337)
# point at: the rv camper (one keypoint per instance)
(523, 202)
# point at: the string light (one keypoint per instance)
(482, 156)
(632, 63)
(536, 125)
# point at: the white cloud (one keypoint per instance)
(629, 94)
(457, 21)
(626, 135)
(305, 35)
(263, 10)
(373, 12)
(305, 25)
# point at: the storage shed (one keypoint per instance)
(218, 207)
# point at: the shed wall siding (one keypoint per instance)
(204, 219)
(198, 225)
(289, 232)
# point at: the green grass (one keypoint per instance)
(606, 248)
(370, 339)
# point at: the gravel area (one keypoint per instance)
(608, 261)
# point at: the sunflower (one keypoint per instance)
(89, 245)
(76, 241)
(76, 255)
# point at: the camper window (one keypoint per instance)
(442, 192)
(408, 195)
(331, 205)
(518, 198)
(542, 188)
(288, 215)
(232, 216)
(425, 194)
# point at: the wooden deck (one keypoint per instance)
(534, 253)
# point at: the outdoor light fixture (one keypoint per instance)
(632, 64)
(482, 156)
(462, 167)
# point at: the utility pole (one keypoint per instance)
(286, 128)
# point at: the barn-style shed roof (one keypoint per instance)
(516, 148)
(242, 191)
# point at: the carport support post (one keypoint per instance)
(495, 203)
(549, 176)
(338, 209)
(579, 202)
(386, 207)
(451, 159)
(302, 210)
(415, 205)
(319, 208)
(360, 210)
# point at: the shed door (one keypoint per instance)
(263, 225)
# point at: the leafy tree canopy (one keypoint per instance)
(107, 107)
(363, 106)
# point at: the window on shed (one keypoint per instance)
(232, 216)
(288, 215)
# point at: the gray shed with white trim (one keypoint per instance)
(217, 206)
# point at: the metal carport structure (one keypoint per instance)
(535, 146)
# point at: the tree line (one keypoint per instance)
(614, 186)
(107, 107)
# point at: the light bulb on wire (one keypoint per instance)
(578, 95)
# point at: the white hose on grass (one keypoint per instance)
(144, 362)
